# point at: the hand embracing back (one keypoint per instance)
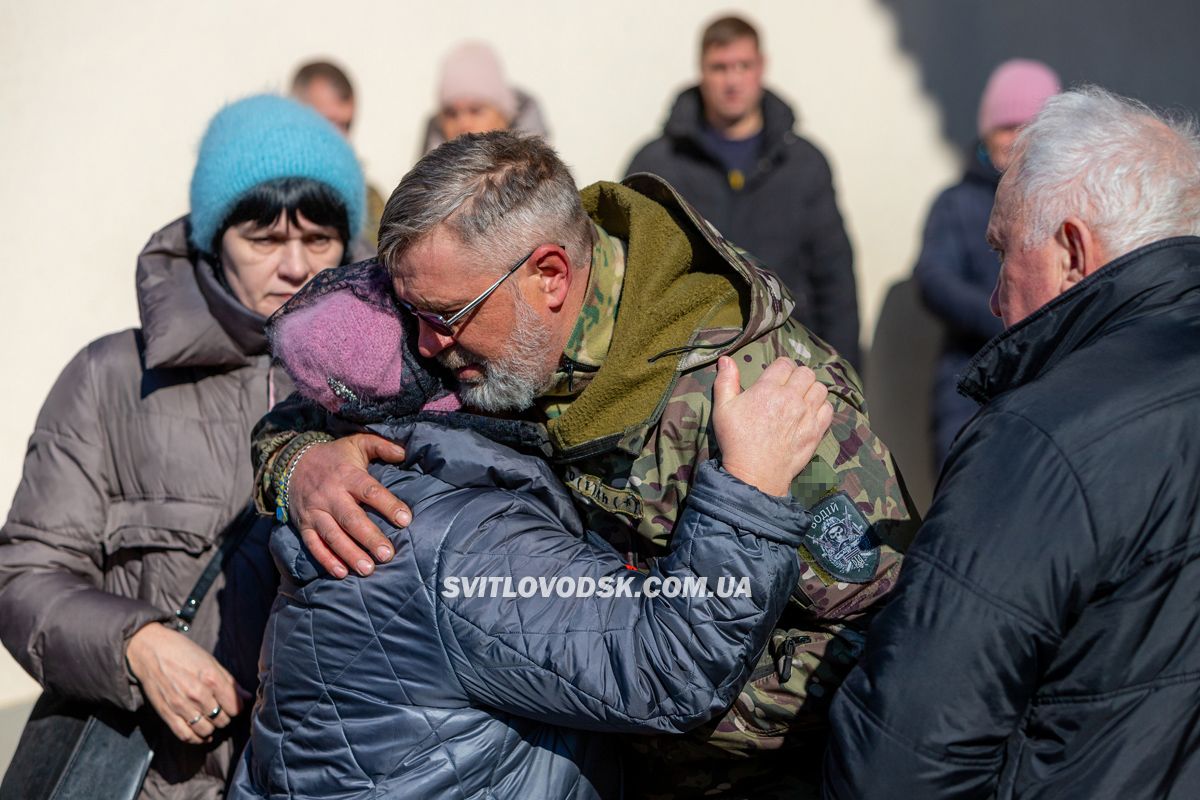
(325, 492)
(769, 432)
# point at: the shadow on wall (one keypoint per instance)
(899, 380)
(1144, 50)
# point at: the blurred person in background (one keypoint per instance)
(139, 464)
(474, 96)
(729, 147)
(957, 269)
(326, 87)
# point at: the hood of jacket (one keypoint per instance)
(688, 297)
(686, 122)
(188, 318)
(473, 451)
(1143, 282)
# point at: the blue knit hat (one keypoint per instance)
(263, 138)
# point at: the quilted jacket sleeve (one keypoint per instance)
(55, 619)
(630, 661)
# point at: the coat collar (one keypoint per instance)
(188, 318)
(1143, 282)
(688, 296)
(686, 121)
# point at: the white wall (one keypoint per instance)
(102, 106)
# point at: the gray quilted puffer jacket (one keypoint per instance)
(390, 687)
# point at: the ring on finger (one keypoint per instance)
(216, 712)
(195, 719)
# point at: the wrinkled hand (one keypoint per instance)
(768, 433)
(180, 680)
(324, 494)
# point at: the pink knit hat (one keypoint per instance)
(472, 71)
(349, 347)
(1015, 93)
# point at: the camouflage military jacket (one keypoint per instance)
(638, 419)
(628, 444)
(629, 419)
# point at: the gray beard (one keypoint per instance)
(512, 381)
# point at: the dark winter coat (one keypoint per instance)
(392, 686)
(138, 465)
(1044, 639)
(956, 273)
(786, 214)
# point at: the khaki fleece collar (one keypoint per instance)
(675, 286)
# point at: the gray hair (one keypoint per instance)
(1132, 174)
(501, 194)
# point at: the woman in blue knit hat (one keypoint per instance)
(139, 465)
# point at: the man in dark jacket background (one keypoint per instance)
(729, 147)
(1043, 639)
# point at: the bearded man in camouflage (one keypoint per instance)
(602, 313)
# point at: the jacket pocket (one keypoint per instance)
(155, 550)
(164, 524)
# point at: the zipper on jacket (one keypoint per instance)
(784, 658)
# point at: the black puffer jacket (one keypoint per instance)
(409, 685)
(1044, 639)
(786, 214)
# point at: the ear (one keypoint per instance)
(554, 274)
(1082, 253)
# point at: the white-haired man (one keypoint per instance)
(1044, 639)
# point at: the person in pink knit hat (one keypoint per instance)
(474, 96)
(1015, 93)
(957, 270)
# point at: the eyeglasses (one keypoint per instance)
(445, 325)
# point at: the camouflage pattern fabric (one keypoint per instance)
(632, 493)
(584, 352)
(271, 439)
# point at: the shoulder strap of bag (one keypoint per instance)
(240, 528)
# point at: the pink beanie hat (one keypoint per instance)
(472, 71)
(1015, 93)
(346, 345)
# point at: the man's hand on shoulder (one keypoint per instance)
(329, 484)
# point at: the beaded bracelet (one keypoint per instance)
(281, 488)
(282, 459)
